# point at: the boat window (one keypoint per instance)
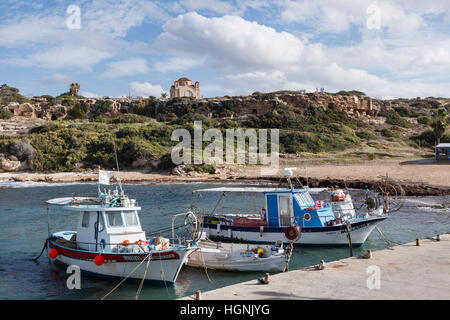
(100, 223)
(131, 218)
(115, 219)
(304, 199)
(85, 221)
(285, 212)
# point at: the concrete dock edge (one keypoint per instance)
(404, 272)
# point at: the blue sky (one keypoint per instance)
(388, 49)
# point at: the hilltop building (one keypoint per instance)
(183, 88)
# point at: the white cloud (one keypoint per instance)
(57, 78)
(64, 57)
(89, 94)
(115, 18)
(145, 89)
(217, 6)
(253, 57)
(48, 43)
(177, 64)
(124, 68)
(339, 16)
(229, 41)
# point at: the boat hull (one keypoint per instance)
(163, 267)
(233, 261)
(314, 236)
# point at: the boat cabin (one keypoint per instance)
(107, 227)
(285, 207)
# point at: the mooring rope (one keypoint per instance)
(138, 292)
(387, 240)
(204, 266)
(123, 280)
(163, 276)
(43, 249)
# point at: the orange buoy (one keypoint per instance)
(99, 260)
(126, 242)
(53, 253)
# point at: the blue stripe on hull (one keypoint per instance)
(225, 239)
(109, 277)
(304, 229)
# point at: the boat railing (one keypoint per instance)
(136, 247)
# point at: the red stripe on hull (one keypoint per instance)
(113, 257)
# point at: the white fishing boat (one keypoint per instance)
(109, 241)
(288, 214)
(239, 257)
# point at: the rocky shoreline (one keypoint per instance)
(410, 188)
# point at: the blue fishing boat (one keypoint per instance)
(292, 215)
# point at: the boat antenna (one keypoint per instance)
(117, 164)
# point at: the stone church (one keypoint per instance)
(183, 87)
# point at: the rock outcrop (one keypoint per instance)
(9, 165)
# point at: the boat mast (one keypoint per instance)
(118, 171)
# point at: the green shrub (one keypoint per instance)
(366, 134)
(5, 113)
(424, 120)
(100, 108)
(426, 138)
(77, 112)
(131, 118)
(351, 93)
(388, 133)
(395, 119)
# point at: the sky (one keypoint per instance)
(387, 49)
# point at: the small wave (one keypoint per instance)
(32, 184)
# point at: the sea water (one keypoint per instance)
(24, 228)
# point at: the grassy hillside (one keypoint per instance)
(88, 139)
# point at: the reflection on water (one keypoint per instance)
(24, 230)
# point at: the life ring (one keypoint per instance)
(292, 233)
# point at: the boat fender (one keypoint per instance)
(99, 260)
(260, 252)
(53, 253)
(261, 230)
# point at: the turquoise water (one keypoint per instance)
(24, 230)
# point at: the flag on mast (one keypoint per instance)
(104, 177)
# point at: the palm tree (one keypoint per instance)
(164, 95)
(441, 124)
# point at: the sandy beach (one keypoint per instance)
(419, 172)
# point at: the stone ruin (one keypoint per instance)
(355, 106)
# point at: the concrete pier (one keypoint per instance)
(404, 272)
